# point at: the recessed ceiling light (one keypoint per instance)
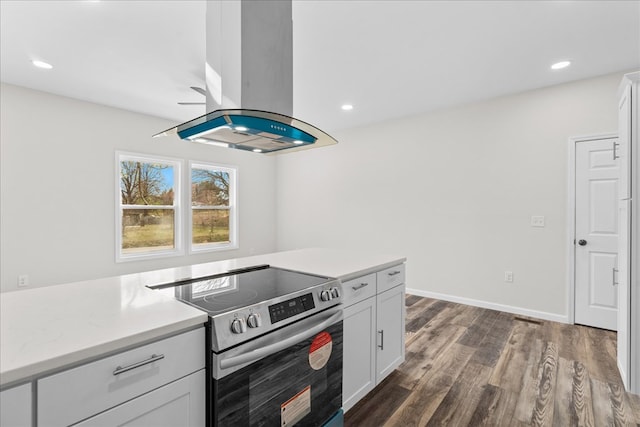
(347, 107)
(257, 150)
(241, 128)
(560, 65)
(297, 141)
(42, 64)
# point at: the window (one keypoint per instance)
(213, 207)
(148, 215)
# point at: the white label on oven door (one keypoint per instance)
(294, 409)
(320, 350)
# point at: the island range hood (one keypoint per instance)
(249, 81)
(251, 130)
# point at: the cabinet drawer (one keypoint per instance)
(359, 289)
(390, 278)
(81, 392)
(15, 406)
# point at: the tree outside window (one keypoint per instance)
(148, 206)
(212, 207)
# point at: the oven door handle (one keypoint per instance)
(259, 353)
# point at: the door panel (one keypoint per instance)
(601, 270)
(603, 200)
(596, 234)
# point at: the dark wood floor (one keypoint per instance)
(468, 366)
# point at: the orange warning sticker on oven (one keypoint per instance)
(320, 350)
(294, 409)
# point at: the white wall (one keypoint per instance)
(454, 192)
(451, 190)
(58, 196)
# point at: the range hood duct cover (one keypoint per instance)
(249, 81)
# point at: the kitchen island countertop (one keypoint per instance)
(46, 329)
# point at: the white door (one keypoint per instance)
(624, 241)
(596, 234)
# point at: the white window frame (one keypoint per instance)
(233, 209)
(176, 207)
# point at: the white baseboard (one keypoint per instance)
(491, 305)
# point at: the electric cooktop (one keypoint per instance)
(243, 304)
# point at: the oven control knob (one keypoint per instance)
(238, 326)
(325, 295)
(335, 292)
(254, 320)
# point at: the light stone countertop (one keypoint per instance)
(45, 329)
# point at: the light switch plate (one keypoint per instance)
(537, 221)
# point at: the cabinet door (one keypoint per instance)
(15, 406)
(97, 386)
(624, 143)
(390, 331)
(359, 366)
(180, 403)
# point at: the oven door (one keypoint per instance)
(292, 376)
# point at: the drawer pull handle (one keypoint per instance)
(381, 346)
(393, 273)
(360, 286)
(154, 357)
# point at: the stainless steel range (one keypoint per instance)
(276, 346)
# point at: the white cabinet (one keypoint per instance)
(390, 330)
(159, 367)
(359, 351)
(374, 318)
(180, 403)
(15, 406)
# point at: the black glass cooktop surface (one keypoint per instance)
(222, 293)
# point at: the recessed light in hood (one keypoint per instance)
(251, 130)
(251, 97)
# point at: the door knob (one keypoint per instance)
(582, 242)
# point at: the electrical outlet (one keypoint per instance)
(23, 280)
(537, 221)
(508, 276)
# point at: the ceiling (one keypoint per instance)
(387, 58)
